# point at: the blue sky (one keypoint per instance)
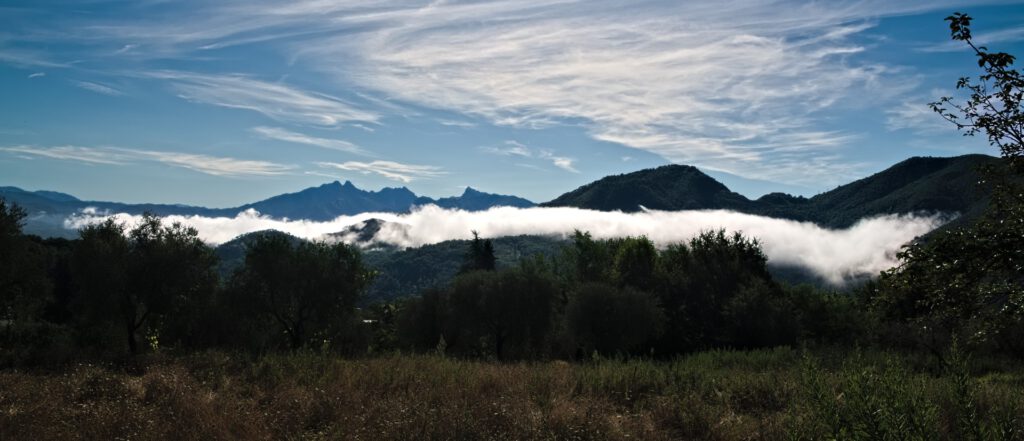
(223, 102)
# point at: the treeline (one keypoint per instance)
(124, 289)
(622, 297)
(119, 290)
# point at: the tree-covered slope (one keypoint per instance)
(948, 185)
(403, 272)
(406, 272)
(670, 187)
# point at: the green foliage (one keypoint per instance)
(151, 280)
(964, 283)
(626, 297)
(611, 321)
(507, 314)
(407, 272)
(480, 256)
(307, 291)
(25, 293)
(24, 283)
(869, 402)
(995, 107)
(967, 284)
(718, 395)
(717, 292)
(828, 317)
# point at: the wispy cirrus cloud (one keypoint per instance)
(456, 123)
(28, 58)
(98, 88)
(724, 85)
(562, 162)
(274, 100)
(515, 148)
(981, 39)
(211, 165)
(87, 155)
(394, 171)
(510, 148)
(280, 134)
(742, 86)
(36, 75)
(916, 116)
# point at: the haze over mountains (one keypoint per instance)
(916, 185)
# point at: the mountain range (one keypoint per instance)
(920, 184)
(47, 209)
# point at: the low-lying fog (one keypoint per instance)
(865, 248)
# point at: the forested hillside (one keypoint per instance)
(950, 185)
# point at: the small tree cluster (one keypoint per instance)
(306, 290)
(121, 289)
(617, 297)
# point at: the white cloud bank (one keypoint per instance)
(866, 248)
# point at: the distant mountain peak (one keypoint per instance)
(669, 187)
(914, 185)
(395, 190)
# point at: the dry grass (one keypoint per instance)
(721, 395)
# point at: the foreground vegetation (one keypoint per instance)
(720, 395)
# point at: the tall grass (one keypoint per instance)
(720, 395)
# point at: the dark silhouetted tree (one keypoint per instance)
(968, 283)
(611, 320)
(24, 283)
(994, 107)
(635, 262)
(308, 290)
(509, 312)
(149, 281)
(480, 256)
(25, 289)
(699, 287)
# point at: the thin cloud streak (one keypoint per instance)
(866, 248)
(394, 171)
(280, 134)
(916, 116)
(515, 148)
(98, 88)
(87, 155)
(980, 39)
(276, 101)
(211, 165)
(561, 162)
(720, 85)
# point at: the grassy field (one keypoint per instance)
(774, 394)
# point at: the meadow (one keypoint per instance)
(770, 394)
